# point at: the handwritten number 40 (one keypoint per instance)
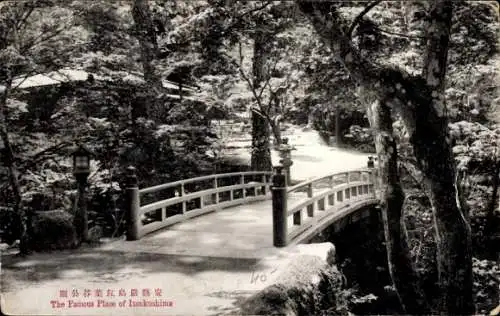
(262, 277)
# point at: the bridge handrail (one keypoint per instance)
(355, 189)
(204, 199)
(322, 195)
(190, 196)
(160, 187)
(306, 183)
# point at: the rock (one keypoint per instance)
(95, 234)
(308, 285)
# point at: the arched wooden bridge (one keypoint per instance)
(244, 214)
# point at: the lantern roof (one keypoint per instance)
(80, 149)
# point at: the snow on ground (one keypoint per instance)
(312, 157)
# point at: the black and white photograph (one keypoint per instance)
(225, 157)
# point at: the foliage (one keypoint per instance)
(53, 230)
(360, 138)
(486, 285)
(207, 46)
(107, 113)
(476, 146)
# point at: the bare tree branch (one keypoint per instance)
(399, 34)
(22, 22)
(268, 77)
(41, 39)
(360, 16)
(263, 6)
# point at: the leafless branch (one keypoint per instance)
(268, 77)
(360, 16)
(400, 34)
(22, 22)
(263, 6)
(41, 39)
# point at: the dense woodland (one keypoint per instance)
(417, 81)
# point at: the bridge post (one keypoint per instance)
(371, 163)
(280, 217)
(132, 205)
(373, 173)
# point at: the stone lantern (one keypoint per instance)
(81, 171)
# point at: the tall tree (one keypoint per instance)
(28, 45)
(401, 269)
(419, 99)
(261, 153)
(145, 32)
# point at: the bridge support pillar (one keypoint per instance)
(280, 217)
(132, 205)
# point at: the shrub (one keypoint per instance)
(486, 285)
(53, 230)
(360, 138)
(10, 226)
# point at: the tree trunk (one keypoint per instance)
(147, 40)
(10, 162)
(338, 130)
(401, 269)
(420, 102)
(452, 229)
(489, 229)
(261, 152)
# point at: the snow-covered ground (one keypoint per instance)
(312, 157)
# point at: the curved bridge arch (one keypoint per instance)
(329, 199)
(298, 212)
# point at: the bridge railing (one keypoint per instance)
(315, 200)
(189, 198)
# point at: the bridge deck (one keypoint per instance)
(243, 231)
(210, 263)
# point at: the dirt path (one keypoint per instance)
(312, 157)
(33, 285)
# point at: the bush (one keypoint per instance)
(10, 226)
(486, 285)
(53, 230)
(360, 138)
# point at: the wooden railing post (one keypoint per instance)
(264, 180)
(182, 193)
(310, 207)
(132, 205)
(242, 181)
(279, 196)
(216, 185)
